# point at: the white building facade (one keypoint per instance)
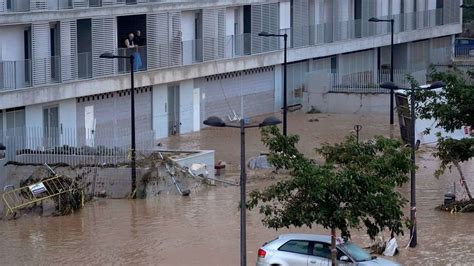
(197, 59)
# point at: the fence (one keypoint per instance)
(43, 71)
(73, 146)
(369, 81)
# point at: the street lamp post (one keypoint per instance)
(215, 121)
(285, 59)
(392, 87)
(132, 111)
(392, 22)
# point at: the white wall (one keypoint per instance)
(344, 10)
(382, 8)
(431, 4)
(187, 29)
(160, 112)
(12, 49)
(11, 43)
(396, 6)
(285, 14)
(34, 116)
(230, 20)
(186, 106)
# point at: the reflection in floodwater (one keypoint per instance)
(204, 228)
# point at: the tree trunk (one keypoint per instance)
(463, 180)
(333, 247)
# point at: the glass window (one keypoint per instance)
(464, 41)
(355, 252)
(295, 246)
(322, 250)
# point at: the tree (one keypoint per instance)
(354, 187)
(452, 108)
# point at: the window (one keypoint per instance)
(295, 246)
(322, 250)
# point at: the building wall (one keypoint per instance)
(160, 111)
(245, 93)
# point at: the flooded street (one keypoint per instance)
(203, 229)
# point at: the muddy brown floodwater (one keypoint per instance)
(203, 229)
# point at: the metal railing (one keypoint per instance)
(140, 59)
(15, 74)
(34, 5)
(369, 81)
(464, 53)
(73, 146)
(84, 65)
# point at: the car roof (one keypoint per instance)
(308, 237)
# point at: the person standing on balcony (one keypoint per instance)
(131, 44)
(130, 41)
(139, 39)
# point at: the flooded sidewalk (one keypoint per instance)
(203, 229)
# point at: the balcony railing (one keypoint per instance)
(43, 71)
(140, 59)
(35, 5)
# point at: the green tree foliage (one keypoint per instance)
(354, 187)
(452, 108)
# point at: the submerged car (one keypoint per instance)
(309, 250)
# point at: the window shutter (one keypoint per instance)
(213, 21)
(157, 40)
(265, 17)
(175, 38)
(39, 4)
(68, 50)
(80, 3)
(103, 36)
(256, 19)
(41, 53)
(300, 22)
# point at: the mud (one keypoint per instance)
(203, 229)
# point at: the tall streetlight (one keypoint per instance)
(392, 22)
(285, 104)
(132, 111)
(392, 87)
(215, 121)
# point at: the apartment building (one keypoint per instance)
(195, 59)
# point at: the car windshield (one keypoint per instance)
(357, 253)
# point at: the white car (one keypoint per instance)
(311, 250)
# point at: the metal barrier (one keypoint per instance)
(26, 196)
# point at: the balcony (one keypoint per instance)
(38, 5)
(32, 73)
